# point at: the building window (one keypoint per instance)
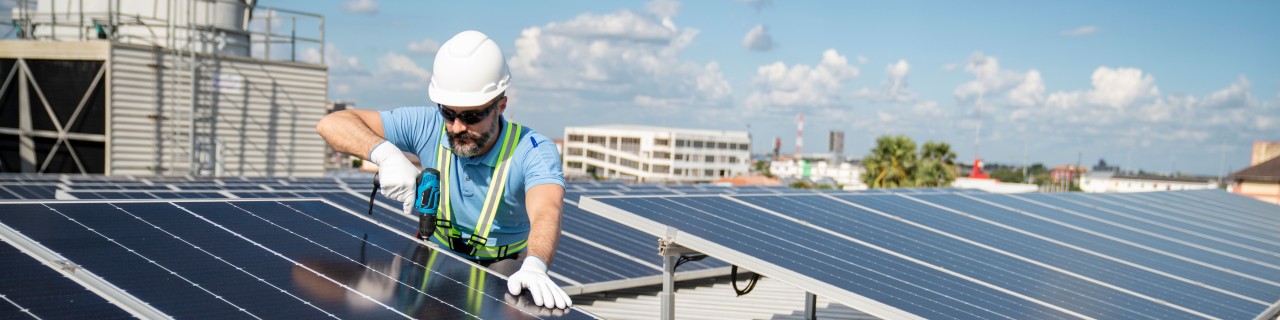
(661, 155)
(660, 168)
(697, 144)
(575, 165)
(661, 142)
(679, 157)
(613, 142)
(576, 137)
(743, 147)
(629, 163)
(722, 145)
(595, 155)
(596, 140)
(680, 143)
(574, 151)
(708, 172)
(733, 159)
(613, 159)
(677, 172)
(631, 145)
(710, 159)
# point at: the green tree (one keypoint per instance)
(1011, 175)
(937, 166)
(891, 164)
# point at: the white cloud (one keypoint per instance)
(927, 108)
(367, 7)
(1081, 31)
(1234, 96)
(894, 88)
(862, 59)
(999, 86)
(339, 63)
(1030, 92)
(425, 47)
(758, 39)
(400, 71)
(616, 58)
(1118, 88)
(783, 88)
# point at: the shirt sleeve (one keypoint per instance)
(541, 162)
(409, 128)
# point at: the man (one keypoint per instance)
(501, 184)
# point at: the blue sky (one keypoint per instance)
(1153, 85)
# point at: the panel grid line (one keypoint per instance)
(388, 251)
(113, 241)
(1042, 264)
(238, 268)
(1184, 230)
(295, 263)
(829, 265)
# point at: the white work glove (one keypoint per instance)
(396, 174)
(533, 275)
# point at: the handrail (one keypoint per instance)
(256, 28)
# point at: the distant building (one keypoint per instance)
(1263, 151)
(846, 174)
(655, 154)
(993, 185)
(1260, 181)
(1102, 166)
(1066, 172)
(1109, 181)
(835, 143)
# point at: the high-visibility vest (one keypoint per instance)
(477, 242)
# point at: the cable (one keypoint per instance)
(689, 258)
(750, 283)
(374, 193)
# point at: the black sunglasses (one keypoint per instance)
(468, 117)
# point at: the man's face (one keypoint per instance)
(470, 139)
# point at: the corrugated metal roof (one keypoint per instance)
(714, 298)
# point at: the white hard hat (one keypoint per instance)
(469, 70)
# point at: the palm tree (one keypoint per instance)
(937, 166)
(891, 164)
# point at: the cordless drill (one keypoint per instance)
(426, 202)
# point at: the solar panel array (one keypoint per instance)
(1164, 255)
(594, 254)
(237, 258)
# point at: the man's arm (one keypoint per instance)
(354, 132)
(545, 204)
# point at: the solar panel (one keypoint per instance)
(959, 255)
(266, 259)
(28, 287)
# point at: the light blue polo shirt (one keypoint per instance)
(535, 162)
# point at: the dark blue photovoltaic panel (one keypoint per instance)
(1152, 283)
(1102, 256)
(1149, 236)
(12, 191)
(45, 293)
(297, 259)
(891, 280)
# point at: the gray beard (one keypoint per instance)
(468, 145)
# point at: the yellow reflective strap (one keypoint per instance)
(444, 161)
(498, 186)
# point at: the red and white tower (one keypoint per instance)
(800, 135)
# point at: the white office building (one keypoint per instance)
(655, 154)
(1114, 182)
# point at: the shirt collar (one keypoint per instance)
(490, 158)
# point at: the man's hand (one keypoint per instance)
(533, 275)
(395, 173)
